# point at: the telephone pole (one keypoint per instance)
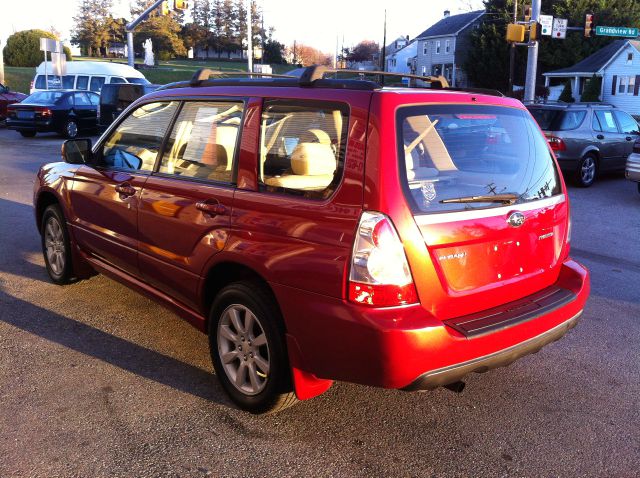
(532, 58)
(249, 39)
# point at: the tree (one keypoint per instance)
(92, 26)
(592, 89)
(273, 50)
(163, 30)
(364, 51)
(23, 48)
(306, 55)
(567, 94)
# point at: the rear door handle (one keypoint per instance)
(600, 136)
(125, 190)
(628, 138)
(211, 208)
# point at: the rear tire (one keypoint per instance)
(247, 345)
(56, 246)
(587, 171)
(70, 129)
(27, 134)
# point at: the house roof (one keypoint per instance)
(598, 60)
(451, 25)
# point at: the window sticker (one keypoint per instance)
(608, 116)
(201, 132)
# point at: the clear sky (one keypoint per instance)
(317, 23)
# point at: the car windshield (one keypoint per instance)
(138, 81)
(44, 97)
(551, 119)
(467, 157)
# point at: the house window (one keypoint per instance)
(447, 46)
(438, 47)
(424, 71)
(629, 58)
(436, 70)
(622, 86)
(631, 86)
(425, 47)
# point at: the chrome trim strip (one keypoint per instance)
(440, 218)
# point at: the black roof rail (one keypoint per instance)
(317, 72)
(205, 73)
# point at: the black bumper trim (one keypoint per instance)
(446, 375)
(513, 313)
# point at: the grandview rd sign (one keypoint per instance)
(617, 31)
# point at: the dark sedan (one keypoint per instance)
(66, 112)
(8, 97)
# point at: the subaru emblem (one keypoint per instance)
(516, 219)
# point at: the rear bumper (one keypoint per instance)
(40, 126)
(444, 376)
(406, 347)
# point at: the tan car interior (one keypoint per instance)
(313, 161)
(429, 144)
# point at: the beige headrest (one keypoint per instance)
(316, 135)
(313, 159)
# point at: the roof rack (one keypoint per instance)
(317, 72)
(314, 76)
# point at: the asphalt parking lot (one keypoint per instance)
(96, 380)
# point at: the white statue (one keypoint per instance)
(148, 52)
(190, 53)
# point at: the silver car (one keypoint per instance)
(587, 138)
(632, 171)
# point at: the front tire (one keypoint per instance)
(56, 246)
(246, 341)
(28, 134)
(587, 170)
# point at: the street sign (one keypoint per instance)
(546, 23)
(617, 31)
(559, 28)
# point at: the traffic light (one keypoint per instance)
(535, 31)
(181, 5)
(165, 8)
(589, 26)
(527, 13)
(515, 33)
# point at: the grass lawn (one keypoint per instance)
(18, 79)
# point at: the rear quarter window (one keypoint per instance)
(558, 120)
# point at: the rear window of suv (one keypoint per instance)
(558, 120)
(462, 157)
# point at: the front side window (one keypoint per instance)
(302, 147)
(627, 124)
(204, 140)
(457, 158)
(135, 143)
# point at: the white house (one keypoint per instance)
(403, 60)
(442, 48)
(618, 64)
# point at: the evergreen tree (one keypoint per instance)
(592, 89)
(567, 94)
(91, 26)
(163, 30)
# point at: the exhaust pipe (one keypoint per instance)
(456, 387)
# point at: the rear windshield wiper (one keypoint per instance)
(501, 198)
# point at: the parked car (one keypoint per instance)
(587, 138)
(632, 170)
(8, 97)
(63, 111)
(86, 75)
(323, 229)
(115, 97)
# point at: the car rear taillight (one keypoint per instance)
(44, 112)
(636, 146)
(11, 111)
(380, 274)
(556, 143)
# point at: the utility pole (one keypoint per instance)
(1, 65)
(532, 58)
(512, 52)
(383, 61)
(249, 39)
(134, 23)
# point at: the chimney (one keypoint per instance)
(447, 13)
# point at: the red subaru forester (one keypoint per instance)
(324, 229)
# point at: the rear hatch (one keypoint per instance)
(486, 195)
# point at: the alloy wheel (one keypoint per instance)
(243, 349)
(54, 246)
(588, 170)
(72, 129)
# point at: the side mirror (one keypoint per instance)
(77, 151)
